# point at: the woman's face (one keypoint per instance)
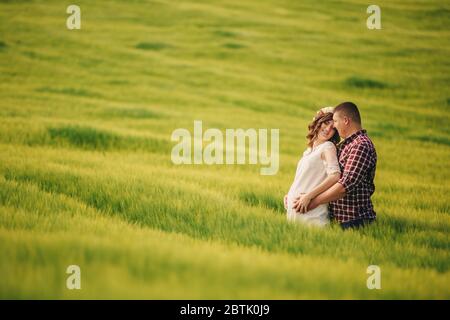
(326, 130)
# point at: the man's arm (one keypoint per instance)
(336, 192)
(356, 166)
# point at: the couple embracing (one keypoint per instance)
(334, 181)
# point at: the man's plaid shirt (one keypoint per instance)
(358, 160)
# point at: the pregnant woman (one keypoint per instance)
(317, 171)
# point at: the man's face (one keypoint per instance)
(339, 123)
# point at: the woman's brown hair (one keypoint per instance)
(314, 128)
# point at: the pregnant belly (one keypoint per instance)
(292, 197)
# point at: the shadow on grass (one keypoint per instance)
(388, 130)
(433, 139)
(363, 83)
(154, 46)
(233, 45)
(174, 209)
(263, 200)
(397, 228)
(69, 91)
(95, 139)
(138, 113)
(225, 34)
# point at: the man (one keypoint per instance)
(349, 198)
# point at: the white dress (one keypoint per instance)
(312, 170)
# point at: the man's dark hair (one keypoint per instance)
(350, 110)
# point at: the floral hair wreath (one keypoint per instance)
(323, 111)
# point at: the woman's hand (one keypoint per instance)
(301, 203)
(285, 202)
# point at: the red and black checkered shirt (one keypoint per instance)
(358, 160)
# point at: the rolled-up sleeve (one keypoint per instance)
(356, 166)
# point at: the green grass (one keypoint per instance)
(357, 82)
(86, 118)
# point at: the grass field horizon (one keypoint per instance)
(86, 176)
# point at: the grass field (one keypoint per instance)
(86, 176)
